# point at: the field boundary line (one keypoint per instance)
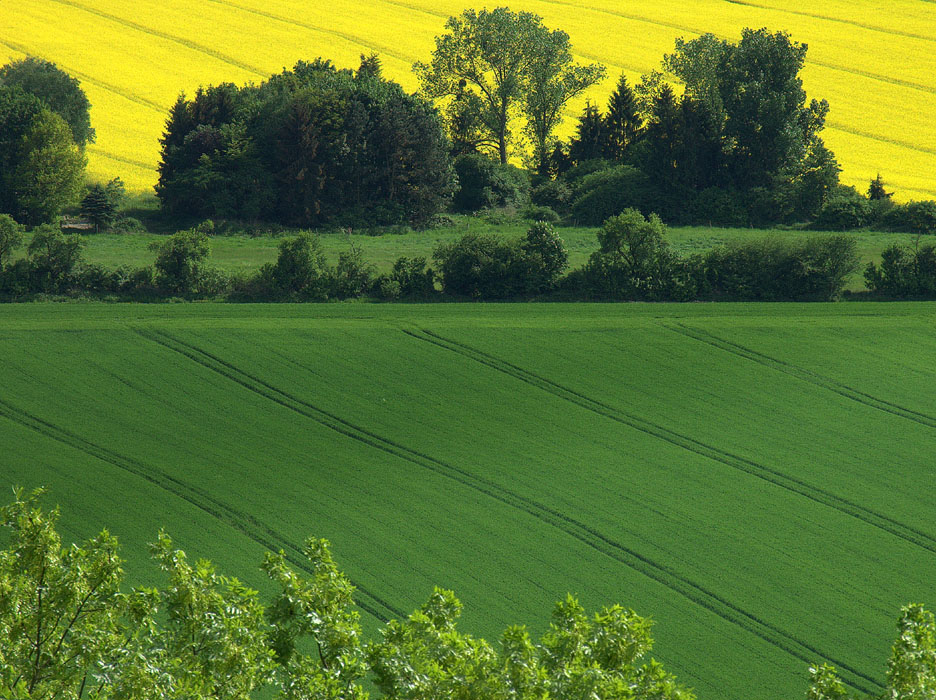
(760, 471)
(804, 374)
(572, 527)
(246, 524)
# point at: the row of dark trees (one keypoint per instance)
(316, 146)
(740, 146)
(634, 262)
(311, 146)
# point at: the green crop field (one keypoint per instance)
(756, 478)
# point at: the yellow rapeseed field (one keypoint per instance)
(873, 60)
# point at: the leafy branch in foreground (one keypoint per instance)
(67, 631)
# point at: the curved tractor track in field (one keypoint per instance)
(350, 38)
(805, 375)
(868, 516)
(693, 30)
(578, 530)
(828, 18)
(760, 471)
(194, 46)
(244, 523)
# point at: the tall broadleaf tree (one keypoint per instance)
(59, 91)
(513, 66)
(552, 81)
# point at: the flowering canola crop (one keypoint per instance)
(874, 62)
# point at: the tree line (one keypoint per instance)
(634, 262)
(723, 134)
(69, 629)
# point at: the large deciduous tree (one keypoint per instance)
(756, 96)
(41, 167)
(50, 170)
(59, 91)
(552, 81)
(495, 64)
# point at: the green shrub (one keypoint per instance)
(300, 272)
(128, 224)
(635, 261)
(479, 267)
(182, 264)
(352, 276)
(607, 193)
(543, 258)
(846, 210)
(773, 269)
(412, 278)
(485, 183)
(537, 213)
(905, 271)
(912, 217)
(53, 256)
(555, 194)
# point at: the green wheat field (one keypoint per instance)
(758, 479)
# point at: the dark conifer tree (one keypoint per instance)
(590, 138)
(559, 161)
(698, 148)
(622, 123)
(662, 138)
(876, 189)
(370, 67)
(97, 208)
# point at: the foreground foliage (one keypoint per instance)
(68, 631)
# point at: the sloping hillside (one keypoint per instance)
(758, 479)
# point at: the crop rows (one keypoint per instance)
(512, 453)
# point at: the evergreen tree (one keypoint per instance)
(662, 134)
(623, 122)
(97, 208)
(559, 161)
(590, 138)
(876, 189)
(370, 66)
(697, 150)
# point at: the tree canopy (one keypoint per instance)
(41, 162)
(310, 146)
(69, 629)
(59, 91)
(497, 65)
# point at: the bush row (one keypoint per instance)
(634, 262)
